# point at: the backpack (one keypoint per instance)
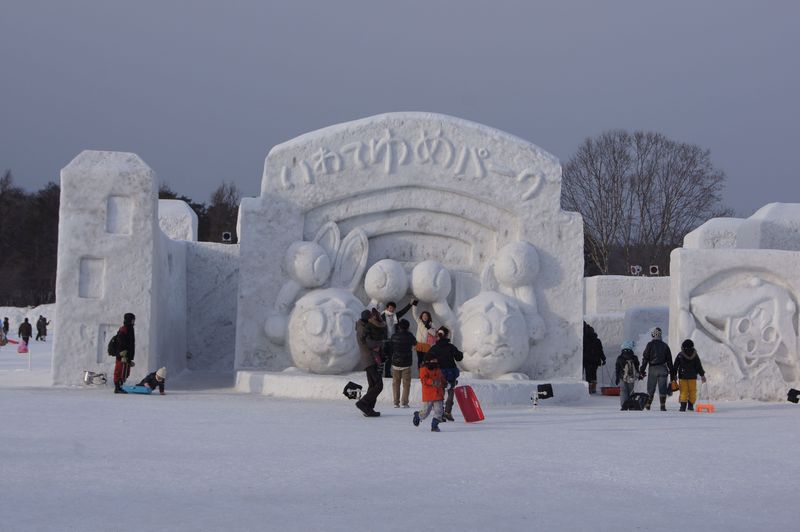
(629, 375)
(112, 346)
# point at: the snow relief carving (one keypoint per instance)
(316, 309)
(756, 322)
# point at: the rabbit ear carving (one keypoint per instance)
(351, 260)
(488, 280)
(328, 237)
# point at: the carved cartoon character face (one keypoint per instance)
(322, 331)
(307, 263)
(493, 335)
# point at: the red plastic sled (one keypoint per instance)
(468, 404)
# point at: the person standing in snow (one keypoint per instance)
(658, 356)
(5, 325)
(391, 317)
(376, 339)
(433, 384)
(403, 343)
(593, 356)
(368, 362)
(426, 333)
(41, 328)
(447, 355)
(627, 372)
(155, 379)
(125, 351)
(25, 331)
(687, 367)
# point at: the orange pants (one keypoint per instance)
(689, 390)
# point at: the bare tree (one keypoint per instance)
(639, 195)
(223, 212)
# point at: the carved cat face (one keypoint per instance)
(493, 335)
(321, 331)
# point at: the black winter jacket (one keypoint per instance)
(126, 341)
(687, 367)
(593, 354)
(25, 330)
(446, 352)
(623, 359)
(403, 342)
(657, 353)
(152, 382)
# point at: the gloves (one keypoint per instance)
(603, 362)
(703, 379)
(642, 375)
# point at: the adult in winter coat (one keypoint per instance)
(426, 333)
(593, 356)
(687, 367)
(25, 331)
(391, 317)
(403, 343)
(368, 362)
(447, 354)
(125, 349)
(658, 356)
(6, 326)
(627, 372)
(41, 328)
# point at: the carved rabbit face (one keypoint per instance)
(321, 331)
(307, 263)
(493, 335)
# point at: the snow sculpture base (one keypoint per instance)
(296, 384)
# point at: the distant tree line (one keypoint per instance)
(29, 235)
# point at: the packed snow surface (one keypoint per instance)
(205, 458)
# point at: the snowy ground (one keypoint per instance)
(205, 458)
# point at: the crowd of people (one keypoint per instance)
(665, 374)
(387, 348)
(25, 330)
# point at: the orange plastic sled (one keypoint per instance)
(704, 407)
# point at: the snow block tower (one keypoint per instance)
(107, 249)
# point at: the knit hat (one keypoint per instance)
(656, 333)
(687, 345)
(628, 344)
(162, 373)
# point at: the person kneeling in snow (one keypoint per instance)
(157, 378)
(433, 384)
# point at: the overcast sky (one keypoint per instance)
(202, 90)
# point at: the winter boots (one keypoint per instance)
(447, 416)
(592, 388)
(648, 403)
(118, 388)
(435, 425)
(663, 399)
(691, 406)
(415, 421)
(683, 406)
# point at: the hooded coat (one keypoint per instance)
(687, 365)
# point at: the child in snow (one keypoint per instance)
(627, 372)
(433, 384)
(157, 378)
(687, 367)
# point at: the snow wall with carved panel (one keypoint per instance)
(464, 218)
(735, 292)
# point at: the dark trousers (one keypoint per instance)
(121, 372)
(591, 372)
(374, 387)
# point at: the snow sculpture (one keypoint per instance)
(740, 309)
(431, 283)
(756, 321)
(498, 325)
(493, 335)
(386, 281)
(437, 199)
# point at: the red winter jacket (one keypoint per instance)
(433, 384)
